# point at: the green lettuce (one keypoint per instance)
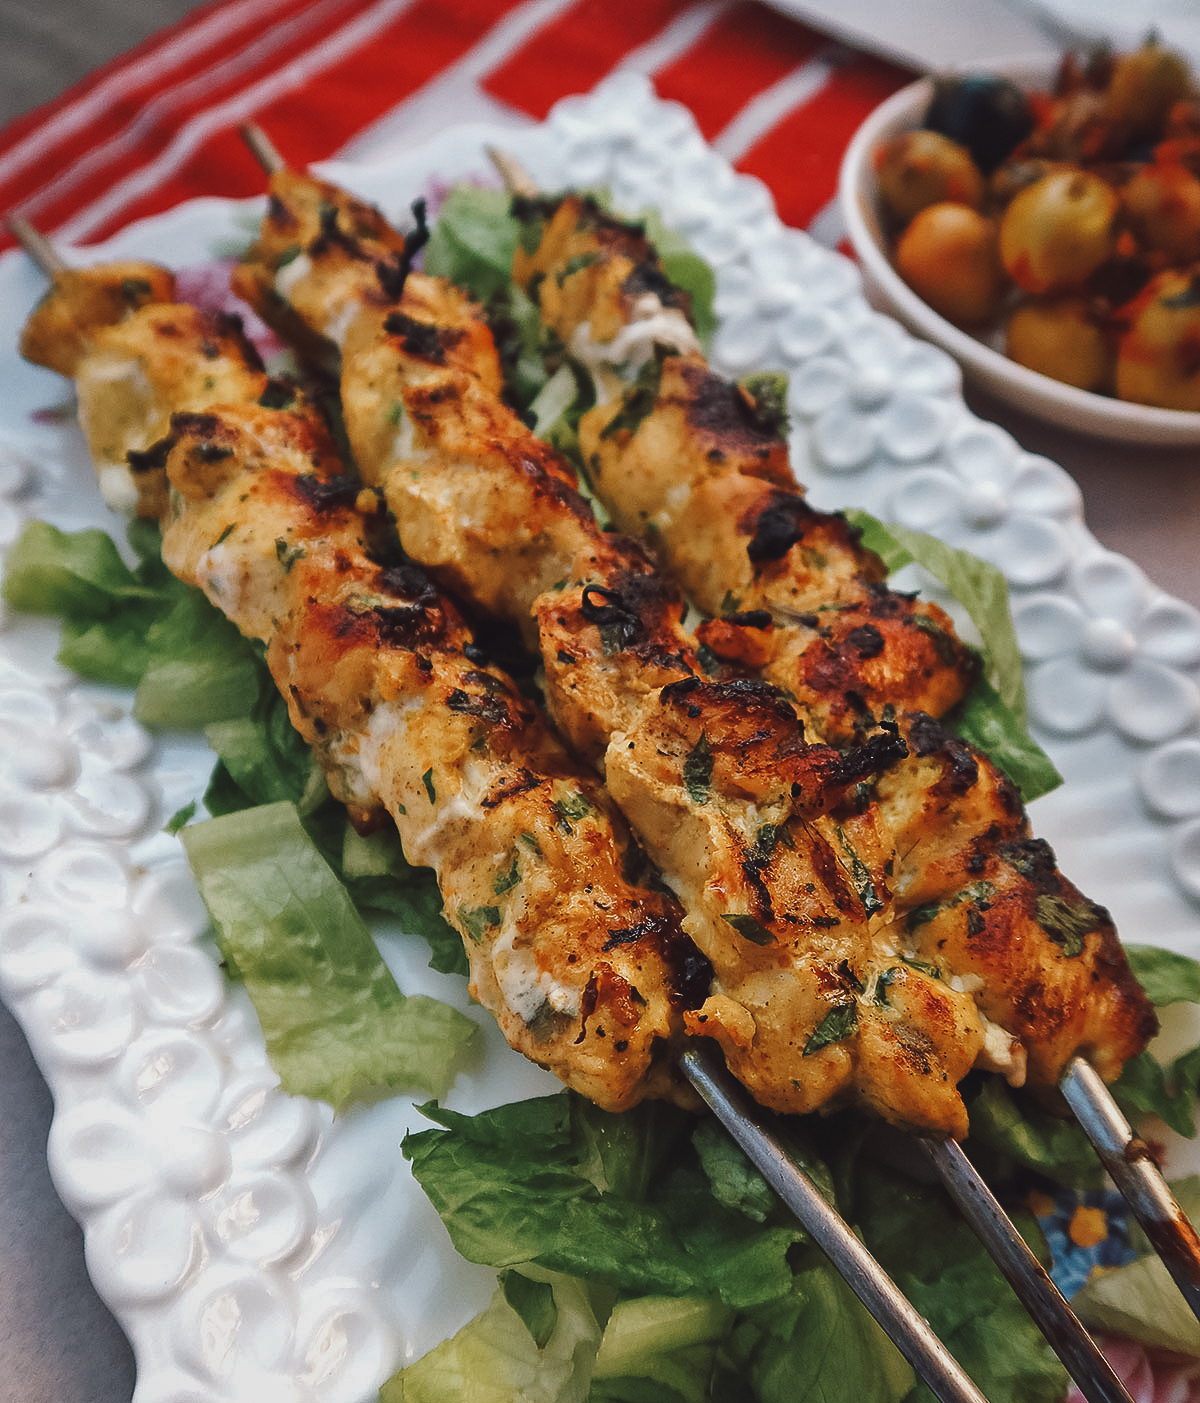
(509, 1186)
(134, 627)
(335, 1024)
(649, 1205)
(536, 1346)
(1167, 978)
(474, 240)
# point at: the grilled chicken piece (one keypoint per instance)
(584, 966)
(486, 507)
(136, 358)
(609, 300)
(321, 254)
(700, 466)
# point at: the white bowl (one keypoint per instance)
(1026, 389)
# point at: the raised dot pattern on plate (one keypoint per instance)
(224, 1221)
(180, 1165)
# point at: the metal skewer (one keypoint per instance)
(1127, 1158)
(909, 1331)
(1030, 1281)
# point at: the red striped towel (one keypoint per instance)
(327, 77)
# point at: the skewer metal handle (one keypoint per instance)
(1127, 1158)
(1025, 1274)
(862, 1273)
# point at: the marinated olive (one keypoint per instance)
(948, 256)
(1145, 85)
(989, 116)
(1162, 205)
(1058, 231)
(1058, 338)
(918, 169)
(1158, 359)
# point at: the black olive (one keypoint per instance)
(989, 116)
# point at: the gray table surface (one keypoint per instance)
(58, 1343)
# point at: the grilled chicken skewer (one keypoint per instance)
(475, 496)
(377, 373)
(778, 863)
(585, 968)
(919, 1346)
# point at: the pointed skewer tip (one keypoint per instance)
(517, 180)
(262, 148)
(36, 245)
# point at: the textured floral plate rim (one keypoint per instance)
(1026, 389)
(249, 1246)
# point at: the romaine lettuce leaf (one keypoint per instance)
(1167, 978)
(495, 1358)
(134, 628)
(474, 240)
(513, 1186)
(979, 587)
(666, 1341)
(939, 1264)
(986, 723)
(335, 1024)
(819, 1346)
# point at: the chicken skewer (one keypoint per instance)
(219, 460)
(484, 546)
(315, 324)
(585, 968)
(646, 478)
(493, 513)
(934, 1364)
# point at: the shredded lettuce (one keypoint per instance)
(509, 1187)
(335, 1023)
(545, 1182)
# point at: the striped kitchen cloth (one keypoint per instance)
(341, 77)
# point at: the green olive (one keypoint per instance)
(1058, 338)
(948, 256)
(1058, 231)
(1158, 360)
(923, 168)
(1145, 85)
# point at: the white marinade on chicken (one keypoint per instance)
(817, 899)
(583, 965)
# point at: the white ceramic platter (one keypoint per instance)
(252, 1247)
(983, 362)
